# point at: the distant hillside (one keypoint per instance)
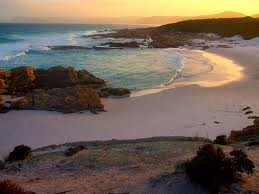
(255, 16)
(246, 27)
(174, 19)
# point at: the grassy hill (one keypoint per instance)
(247, 27)
(173, 19)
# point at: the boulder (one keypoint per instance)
(3, 109)
(103, 94)
(19, 104)
(117, 91)
(66, 100)
(84, 77)
(3, 86)
(61, 77)
(4, 76)
(21, 80)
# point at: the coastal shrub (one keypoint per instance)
(8, 187)
(213, 169)
(253, 143)
(154, 181)
(20, 152)
(221, 140)
(73, 151)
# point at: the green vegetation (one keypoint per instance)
(213, 169)
(73, 151)
(221, 140)
(20, 152)
(246, 27)
(160, 178)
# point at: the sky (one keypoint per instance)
(121, 8)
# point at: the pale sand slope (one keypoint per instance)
(183, 111)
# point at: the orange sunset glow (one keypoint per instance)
(122, 8)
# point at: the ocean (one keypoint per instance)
(29, 44)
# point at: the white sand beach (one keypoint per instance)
(186, 110)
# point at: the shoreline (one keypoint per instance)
(183, 111)
(220, 66)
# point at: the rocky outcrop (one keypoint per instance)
(160, 38)
(103, 94)
(3, 86)
(21, 80)
(132, 44)
(114, 92)
(248, 134)
(65, 100)
(60, 77)
(62, 89)
(4, 76)
(69, 48)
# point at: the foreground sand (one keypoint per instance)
(184, 111)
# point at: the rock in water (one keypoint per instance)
(117, 91)
(21, 80)
(66, 100)
(84, 77)
(132, 44)
(61, 77)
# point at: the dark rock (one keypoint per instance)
(132, 44)
(3, 108)
(84, 77)
(253, 117)
(60, 77)
(21, 80)
(3, 86)
(4, 76)
(103, 94)
(66, 100)
(249, 112)
(105, 48)
(19, 103)
(2, 165)
(247, 108)
(117, 91)
(69, 47)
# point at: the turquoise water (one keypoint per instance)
(22, 44)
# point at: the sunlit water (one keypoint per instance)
(136, 69)
(22, 44)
